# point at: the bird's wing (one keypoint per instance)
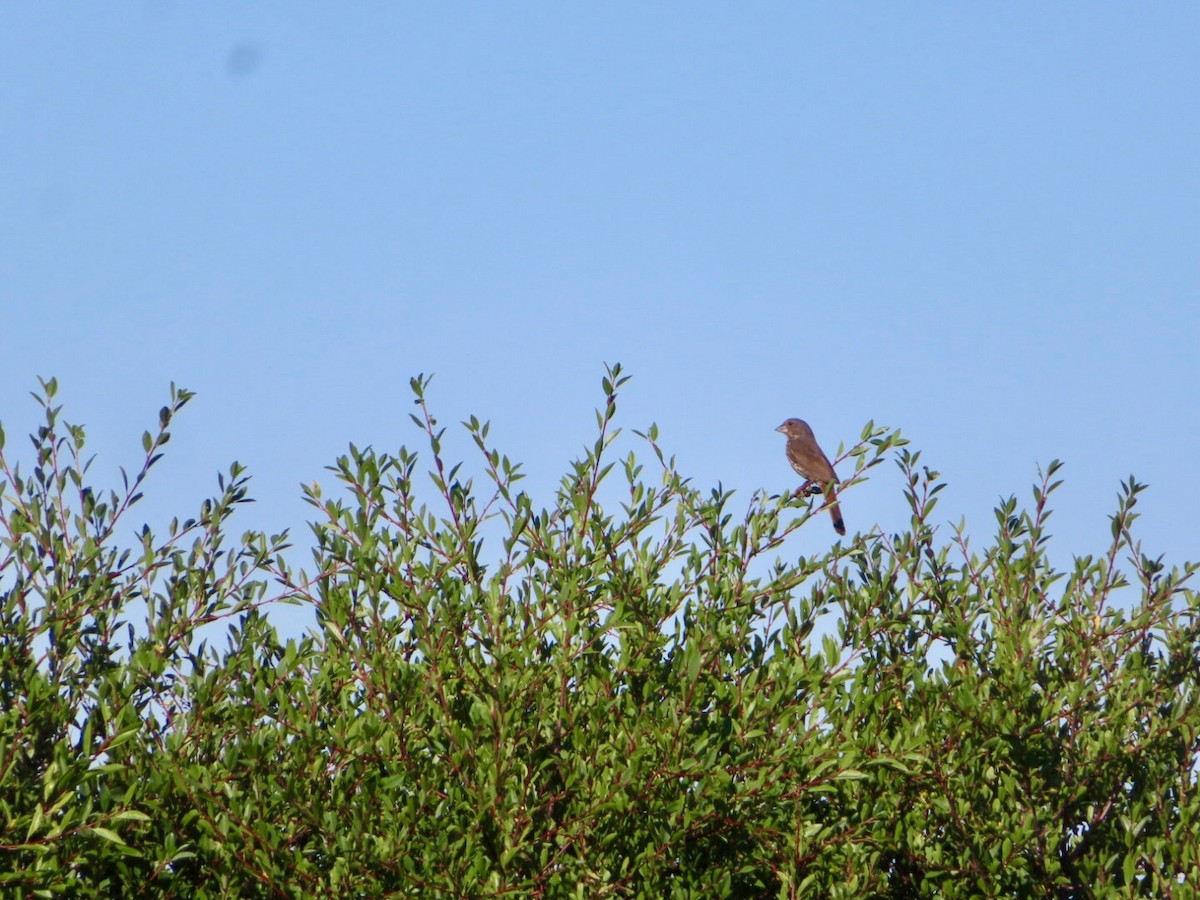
(807, 459)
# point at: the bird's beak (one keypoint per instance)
(781, 429)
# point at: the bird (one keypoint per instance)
(813, 465)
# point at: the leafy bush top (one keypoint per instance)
(636, 691)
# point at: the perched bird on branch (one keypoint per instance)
(814, 467)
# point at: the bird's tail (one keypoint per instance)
(835, 511)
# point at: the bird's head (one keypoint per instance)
(795, 428)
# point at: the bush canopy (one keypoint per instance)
(640, 690)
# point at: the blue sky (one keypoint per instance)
(976, 222)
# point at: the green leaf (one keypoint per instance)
(105, 833)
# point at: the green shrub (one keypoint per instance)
(636, 691)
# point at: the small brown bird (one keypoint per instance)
(813, 465)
